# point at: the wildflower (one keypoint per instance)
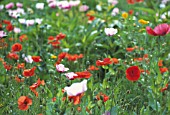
(83, 74)
(24, 102)
(125, 15)
(159, 30)
(110, 31)
(76, 88)
(18, 79)
(61, 68)
(160, 63)
(133, 73)
(60, 36)
(6, 22)
(54, 99)
(36, 85)
(30, 22)
(36, 58)
(76, 99)
(23, 37)
(130, 49)
(2, 34)
(13, 56)
(106, 61)
(115, 60)
(115, 11)
(92, 68)
(21, 66)
(10, 5)
(164, 69)
(28, 59)
(16, 47)
(6, 66)
(53, 56)
(143, 22)
(83, 8)
(130, 12)
(102, 96)
(40, 6)
(29, 72)
(9, 27)
(70, 75)
(17, 30)
(165, 88)
(19, 5)
(73, 57)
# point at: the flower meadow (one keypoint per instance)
(84, 57)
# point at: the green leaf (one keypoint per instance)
(114, 110)
(166, 9)
(148, 10)
(49, 93)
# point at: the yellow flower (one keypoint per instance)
(141, 21)
(53, 56)
(125, 15)
(142, 29)
(91, 12)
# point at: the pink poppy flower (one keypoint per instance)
(70, 75)
(19, 5)
(160, 30)
(10, 5)
(61, 68)
(110, 31)
(83, 8)
(76, 88)
(2, 34)
(17, 30)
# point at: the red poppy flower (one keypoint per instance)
(6, 22)
(165, 88)
(130, 49)
(134, 1)
(102, 96)
(29, 72)
(138, 59)
(115, 60)
(84, 74)
(61, 56)
(73, 57)
(139, 0)
(19, 79)
(131, 12)
(9, 27)
(7, 67)
(13, 56)
(133, 73)
(60, 36)
(16, 47)
(23, 37)
(92, 68)
(24, 102)
(144, 71)
(54, 99)
(160, 30)
(164, 69)
(130, 1)
(106, 61)
(90, 17)
(35, 85)
(160, 63)
(21, 66)
(36, 58)
(51, 39)
(76, 99)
